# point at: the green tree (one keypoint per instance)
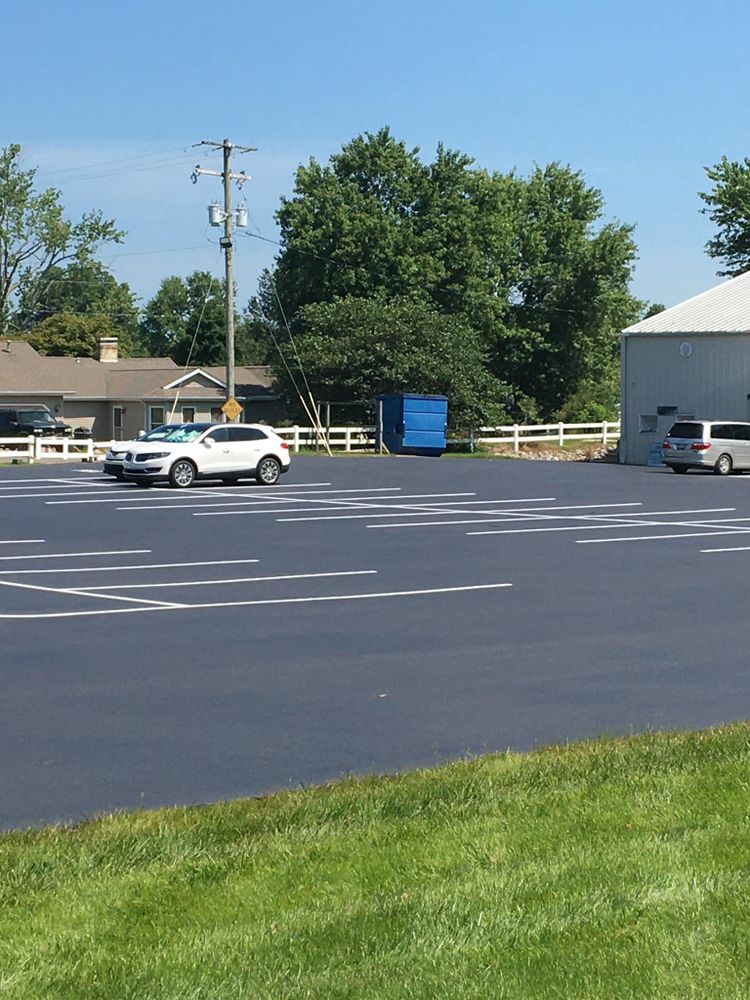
(351, 349)
(186, 320)
(728, 207)
(528, 263)
(36, 238)
(86, 289)
(66, 335)
(570, 296)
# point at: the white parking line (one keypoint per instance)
(22, 541)
(215, 583)
(84, 593)
(259, 602)
(140, 496)
(402, 510)
(77, 555)
(739, 548)
(344, 503)
(653, 538)
(635, 520)
(508, 516)
(112, 569)
(65, 493)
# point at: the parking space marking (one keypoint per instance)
(112, 569)
(84, 593)
(635, 520)
(653, 538)
(77, 555)
(65, 493)
(401, 510)
(508, 515)
(257, 497)
(214, 583)
(258, 602)
(344, 503)
(739, 548)
(22, 541)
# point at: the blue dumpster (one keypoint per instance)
(413, 424)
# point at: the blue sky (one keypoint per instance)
(639, 96)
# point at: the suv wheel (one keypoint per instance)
(723, 465)
(268, 471)
(182, 474)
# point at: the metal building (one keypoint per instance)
(690, 361)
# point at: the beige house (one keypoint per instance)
(118, 397)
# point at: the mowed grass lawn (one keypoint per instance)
(613, 869)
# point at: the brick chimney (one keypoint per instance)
(108, 349)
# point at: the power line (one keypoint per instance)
(106, 163)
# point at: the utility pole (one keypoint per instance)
(226, 242)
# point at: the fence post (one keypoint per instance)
(561, 434)
(295, 439)
(347, 439)
(30, 448)
(37, 440)
(516, 443)
(604, 432)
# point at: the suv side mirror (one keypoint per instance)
(209, 442)
(141, 434)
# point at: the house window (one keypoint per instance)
(188, 414)
(217, 416)
(647, 423)
(155, 417)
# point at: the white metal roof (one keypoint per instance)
(723, 309)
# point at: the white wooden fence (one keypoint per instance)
(348, 439)
(363, 438)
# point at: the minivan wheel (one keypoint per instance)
(723, 465)
(678, 468)
(182, 474)
(268, 471)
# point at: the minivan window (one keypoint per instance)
(685, 429)
(725, 432)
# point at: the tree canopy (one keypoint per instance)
(728, 207)
(527, 262)
(68, 335)
(353, 348)
(36, 238)
(186, 319)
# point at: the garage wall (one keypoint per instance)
(709, 379)
(92, 415)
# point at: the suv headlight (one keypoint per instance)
(152, 455)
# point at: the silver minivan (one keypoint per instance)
(720, 445)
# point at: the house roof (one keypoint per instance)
(722, 309)
(24, 370)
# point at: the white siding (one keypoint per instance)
(713, 382)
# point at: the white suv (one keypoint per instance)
(209, 451)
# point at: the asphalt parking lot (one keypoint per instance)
(366, 614)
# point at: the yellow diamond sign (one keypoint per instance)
(232, 409)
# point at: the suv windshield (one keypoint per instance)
(159, 433)
(686, 430)
(186, 432)
(33, 416)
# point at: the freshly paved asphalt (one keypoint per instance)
(114, 711)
